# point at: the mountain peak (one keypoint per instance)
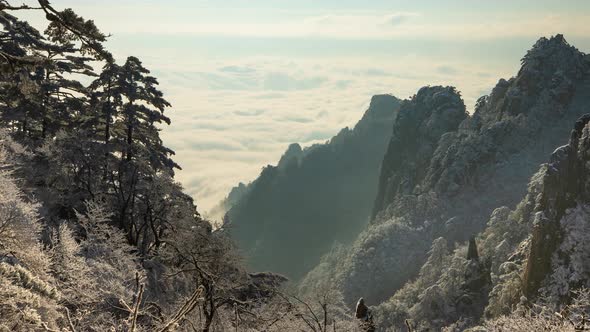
(421, 122)
(553, 55)
(382, 109)
(293, 152)
(434, 110)
(549, 72)
(557, 40)
(382, 102)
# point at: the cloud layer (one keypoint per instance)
(241, 115)
(248, 77)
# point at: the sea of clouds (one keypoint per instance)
(246, 79)
(236, 117)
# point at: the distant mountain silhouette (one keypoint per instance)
(314, 196)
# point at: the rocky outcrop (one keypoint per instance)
(447, 182)
(292, 155)
(538, 251)
(293, 213)
(565, 185)
(421, 122)
(234, 196)
(476, 284)
(378, 261)
(551, 259)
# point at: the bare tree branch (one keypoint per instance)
(185, 309)
(136, 308)
(70, 320)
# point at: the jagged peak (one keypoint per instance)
(438, 97)
(438, 108)
(421, 122)
(236, 191)
(550, 55)
(437, 91)
(294, 152)
(558, 40)
(382, 109)
(549, 72)
(381, 106)
(546, 45)
(378, 100)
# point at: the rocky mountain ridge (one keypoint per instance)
(535, 256)
(449, 188)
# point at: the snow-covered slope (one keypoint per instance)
(450, 187)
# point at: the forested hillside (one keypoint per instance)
(95, 233)
(294, 212)
(533, 256)
(445, 173)
(446, 220)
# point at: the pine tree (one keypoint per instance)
(63, 99)
(107, 93)
(40, 69)
(17, 41)
(142, 111)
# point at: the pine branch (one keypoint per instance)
(92, 41)
(4, 5)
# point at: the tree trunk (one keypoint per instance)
(44, 127)
(25, 122)
(130, 120)
(46, 105)
(209, 307)
(107, 130)
(208, 320)
(129, 140)
(325, 308)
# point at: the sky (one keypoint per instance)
(248, 77)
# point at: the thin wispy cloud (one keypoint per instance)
(376, 25)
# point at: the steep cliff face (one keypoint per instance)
(292, 214)
(496, 150)
(538, 253)
(559, 254)
(449, 186)
(420, 124)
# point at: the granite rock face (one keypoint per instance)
(565, 186)
(431, 113)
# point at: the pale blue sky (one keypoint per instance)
(248, 77)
